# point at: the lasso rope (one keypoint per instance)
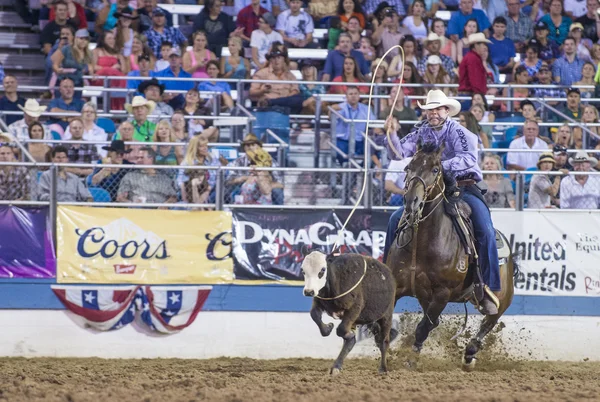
(391, 144)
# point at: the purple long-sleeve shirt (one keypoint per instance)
(460, 153)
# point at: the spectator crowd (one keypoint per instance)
(542, 48)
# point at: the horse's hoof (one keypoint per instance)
(411, 364)
(468, 364)
(335, 371)
(328, 329)
(382, 371)
(413, 359)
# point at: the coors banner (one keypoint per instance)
(267, 245)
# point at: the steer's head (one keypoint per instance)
(314, 269)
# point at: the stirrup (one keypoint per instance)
(492, 296)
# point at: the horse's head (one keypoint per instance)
(424, 179)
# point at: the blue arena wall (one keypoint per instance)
(36, 294)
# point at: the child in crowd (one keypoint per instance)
(165, 49)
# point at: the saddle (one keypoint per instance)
(460, 215)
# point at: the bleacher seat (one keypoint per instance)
(527, 178)
(443, 15)
(106, 124)
(500, 144)
(99, 194)
(228, 153)
(510, 134)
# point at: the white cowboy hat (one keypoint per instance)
(432, 37)
(583, 157)
(478, 37)
(437, 98)
(32, 108)
(433, 59)
(140, 101)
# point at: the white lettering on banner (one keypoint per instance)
(319, 233)
(557, 253)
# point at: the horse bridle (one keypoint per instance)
(428, 190)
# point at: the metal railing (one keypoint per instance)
(337, 188)
(240, 85)
(341, 185)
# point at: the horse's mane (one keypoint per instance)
(428, 147)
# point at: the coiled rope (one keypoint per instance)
(366, 143)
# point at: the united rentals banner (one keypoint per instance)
(141, 246)
(559, 253)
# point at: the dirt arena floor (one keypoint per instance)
(50, 379)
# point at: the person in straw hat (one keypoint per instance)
(542, 192)
(459, 161)
(580, 191)
(31, 113)
(251, 145)
(140, 108)
(472, 76)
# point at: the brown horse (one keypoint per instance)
(428, 259)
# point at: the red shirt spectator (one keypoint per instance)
(248, 18)
(76, 15)
(472, 73)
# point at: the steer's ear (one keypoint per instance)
(305, 250)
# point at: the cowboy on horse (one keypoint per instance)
(459, 162)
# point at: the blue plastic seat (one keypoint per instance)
(100, 194)
(510, 134)
(528, 177)
(107, 125)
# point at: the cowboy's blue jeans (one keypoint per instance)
(485, 239)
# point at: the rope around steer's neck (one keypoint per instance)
(349, 290)
(366, 143)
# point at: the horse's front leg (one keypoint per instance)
(431, 319)
(316, 312)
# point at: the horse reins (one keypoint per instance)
(349, 290)
(428, 190)
(415, 225)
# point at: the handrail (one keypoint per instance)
(387, 84)
(372, 143)
(176, 144)
(281, 142)
(344, 155)
(564, 116)
(339, 116)
(122, 113)
(276, 169)
(214, 93)
(246, 112)
(187, 167)
(5, 129)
